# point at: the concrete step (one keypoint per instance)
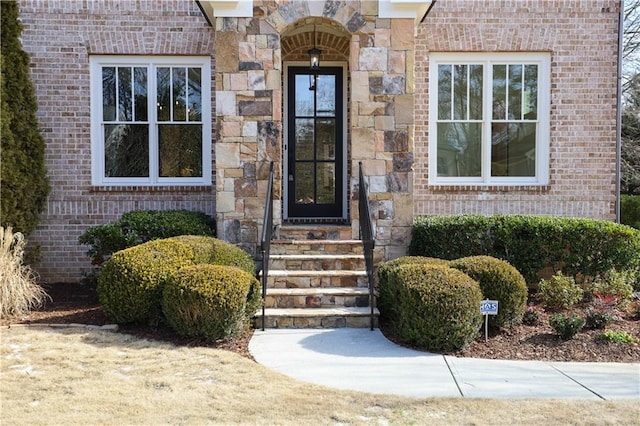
(317, 318)
(317, 262)
(314, 298)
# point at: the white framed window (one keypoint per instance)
(489, 118)
(150, 120)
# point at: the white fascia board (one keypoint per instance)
(403, 9)
(227, 8)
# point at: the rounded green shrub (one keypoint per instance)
(436, 308)
(566, 326)
(386, 295)
(217, 252)
(208, 301)
(130, 283)
(498, 281)
(560, 291)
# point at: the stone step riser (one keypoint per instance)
(313, 232)
(311, 248)
(317, 282)
(315, 322)
(334, 264)
(315, 301)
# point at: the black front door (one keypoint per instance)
(315, 145)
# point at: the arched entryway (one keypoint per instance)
(315, 123)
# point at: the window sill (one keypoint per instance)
(151, 189)
(529, 188)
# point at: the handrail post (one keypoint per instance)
(265, 243)
(367, 236)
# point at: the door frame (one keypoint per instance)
(285, 138)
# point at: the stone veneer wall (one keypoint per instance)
(582, 37)
(249, 113)
(60, 35)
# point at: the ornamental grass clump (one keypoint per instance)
(19, 292)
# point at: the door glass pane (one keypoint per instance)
(303, 96)
(325, 183)
(180, 150)
(304, 139)
(140, 93)
(109, 93)
(124, 94)
(195, 97)
(444, 92)
(513, 149)
(179, 94)
(459, 149)
(126, 150)
(304, 183)
(164, 94)
(326, 139)
(460, 92)
(326, 93)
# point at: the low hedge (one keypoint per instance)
(131, 282)
(435, 307)
(140, 226)
(208, 301)
(578, 246)
(630, 210)
(498, 281)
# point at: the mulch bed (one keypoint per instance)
(76, 303)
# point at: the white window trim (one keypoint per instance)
(96, 63)
(542, 134)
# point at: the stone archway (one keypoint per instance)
(250, 53)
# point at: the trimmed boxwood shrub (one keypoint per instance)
(386, 297)
(130, 283)
(578, 246)
(436, 308)
(208, 301)
(140, 226)
(498, 281)
(217, 252)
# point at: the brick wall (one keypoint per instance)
(60, 36)
(581, 37)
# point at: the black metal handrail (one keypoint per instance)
(265, 243)
(367, 236)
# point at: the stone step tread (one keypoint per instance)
(328, 291)
(315, 256)
(317, 312)
(327, 273)
(334, 242)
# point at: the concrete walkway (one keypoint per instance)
(364, 360)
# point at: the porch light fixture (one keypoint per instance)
(314, 54)
(314, 62)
